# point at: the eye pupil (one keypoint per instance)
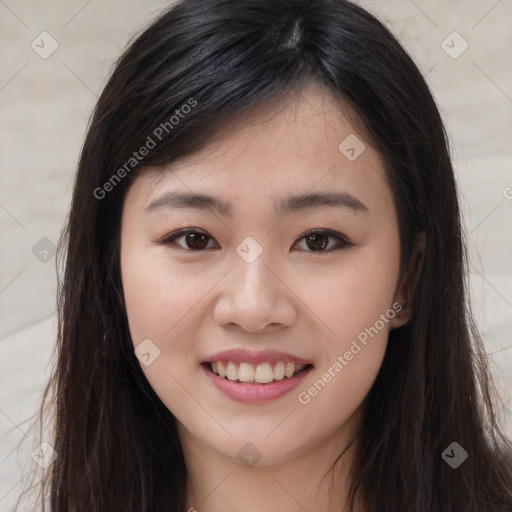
(319, 240)
(192, 238)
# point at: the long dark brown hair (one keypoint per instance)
(117, 444)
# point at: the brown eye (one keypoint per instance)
(320, 241)
(190, 240)
(317, 241)
(196, 240)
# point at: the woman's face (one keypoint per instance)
(290, 264)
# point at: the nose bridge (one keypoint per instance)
(252, 277)
(252, 296)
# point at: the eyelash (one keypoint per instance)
(171, 239)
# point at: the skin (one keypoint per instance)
(192, 304)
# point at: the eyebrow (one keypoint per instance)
(316, 200)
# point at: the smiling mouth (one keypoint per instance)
(250, 373)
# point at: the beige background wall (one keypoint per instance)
(45, 104)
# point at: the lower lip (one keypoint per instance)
(255, 393)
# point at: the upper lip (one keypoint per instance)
(255, 357)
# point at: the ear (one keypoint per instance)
(409, 281)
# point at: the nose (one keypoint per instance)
(254, 297)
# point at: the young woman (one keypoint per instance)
(264, 300)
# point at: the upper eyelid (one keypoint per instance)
(182, 232)
(323, 230)
(185, 231)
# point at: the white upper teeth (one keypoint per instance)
(262, 373)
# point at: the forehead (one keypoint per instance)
(306, 143)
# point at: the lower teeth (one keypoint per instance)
(259, 383)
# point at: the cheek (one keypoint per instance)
(158, 294)
(351, 297)
(159, 302)
(356, 307)
(355, 304)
